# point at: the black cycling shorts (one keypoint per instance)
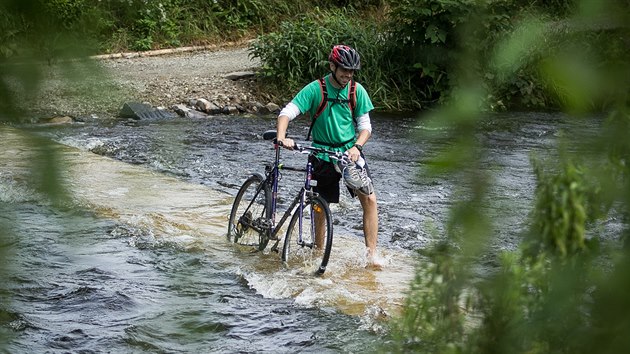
(327, 178)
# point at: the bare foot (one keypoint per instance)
(374, 262)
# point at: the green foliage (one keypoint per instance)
(122, 25)
(139, 24)
(298, 52)
(32, 33)
(427, 36)
(563, 204)
(431, 44)
(412, 60)
(414, 56)
(434, 305)
(66, 12)
(425, 40)
(562, 292)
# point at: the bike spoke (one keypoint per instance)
(309, 247)
(249, 218)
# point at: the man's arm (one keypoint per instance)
(365, 131)
(288, 113)
(363, 137)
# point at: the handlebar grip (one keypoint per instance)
(295, 146)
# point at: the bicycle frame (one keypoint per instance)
(269, 228)
(297, 201)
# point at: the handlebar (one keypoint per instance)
(311, 149)
(272, 134)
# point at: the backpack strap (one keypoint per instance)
(321, 107)
(352, 97)
(352, 102)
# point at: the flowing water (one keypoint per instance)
(137, 261)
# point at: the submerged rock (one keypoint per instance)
(61, 120)
(138, 111)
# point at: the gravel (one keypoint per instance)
(100, 87)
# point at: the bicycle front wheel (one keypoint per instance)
(309, 236)
(250, 218)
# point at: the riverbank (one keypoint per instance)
(100, 86)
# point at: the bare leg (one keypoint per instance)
(320, 228)
(370, 225)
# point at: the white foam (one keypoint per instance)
(11, 191)
(84, 143)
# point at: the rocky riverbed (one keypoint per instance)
(201, 79)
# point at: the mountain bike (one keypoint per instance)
(309, 235)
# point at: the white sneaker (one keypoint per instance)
(355, 176)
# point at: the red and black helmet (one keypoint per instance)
(345, 56)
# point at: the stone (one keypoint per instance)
(255, 107)
(240, 75)
(272, 107)
(136, 110)
(61, 120)
(206, 106)
(181, 109)
(193, 114)
(230, 110)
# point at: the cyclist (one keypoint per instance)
(335, 103)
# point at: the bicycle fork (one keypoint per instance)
(308, 184)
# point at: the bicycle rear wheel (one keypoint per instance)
(250, 218)
(309, 251)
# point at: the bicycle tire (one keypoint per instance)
(309, 254)
(250, 217)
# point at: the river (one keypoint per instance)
(137, 261)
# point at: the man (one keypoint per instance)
(335, 103)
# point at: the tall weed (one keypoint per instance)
(298, 52)
(562, 291)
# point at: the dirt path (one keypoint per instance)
(101, 87)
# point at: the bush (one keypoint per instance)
(298, 52)
(413, 59)
(433, 35)
(562, 291)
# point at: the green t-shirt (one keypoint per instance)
(336, 124)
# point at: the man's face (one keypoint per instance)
(343, 75)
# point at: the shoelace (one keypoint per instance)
(365, 180)
(355, 174)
